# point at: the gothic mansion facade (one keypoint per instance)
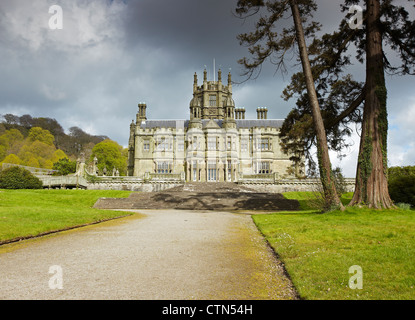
(216, 144)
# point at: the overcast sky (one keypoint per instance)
(111, 55)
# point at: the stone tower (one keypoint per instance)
(212, 99)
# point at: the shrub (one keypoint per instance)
(403, 206)
(339, 181)
(401, 185)
(18, 178)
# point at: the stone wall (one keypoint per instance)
(288, 185)
(140, 186)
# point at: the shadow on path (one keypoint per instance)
(202, 196)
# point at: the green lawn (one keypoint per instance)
(32, 212)
(318, 250)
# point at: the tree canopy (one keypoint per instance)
(110, 156)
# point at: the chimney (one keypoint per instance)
(141, 115)
(260, 113)
(239, 114)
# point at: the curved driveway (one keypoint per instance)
(165, 254)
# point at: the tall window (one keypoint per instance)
(264, 144)
(211, 170)
(212, 100)
(164, 144)
(244, 145)
(211, 143)
(195, 143)
(163, 167)
(146, 146)
(194, 170)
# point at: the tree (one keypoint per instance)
(10, 138)
(64, 167)
(42, 135)
(40, 150)
(26, 121)
(3, 152)
(12, 158)
(110, 156)
(49, 124)
(2, 128)
(58, 155)
(11, 119)
(384, 24)
(279, 45)
(371, 178)
(32, 162)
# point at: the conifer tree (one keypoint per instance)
(265, 42)
(386, 25)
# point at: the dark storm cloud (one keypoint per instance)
(198, 30)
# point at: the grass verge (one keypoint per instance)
(318, 250)
(25, 213)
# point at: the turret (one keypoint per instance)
(195, 108)
(131, 150)
(229, 108)
(195, 83)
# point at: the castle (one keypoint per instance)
(216, 144)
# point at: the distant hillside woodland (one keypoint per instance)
(42, 143)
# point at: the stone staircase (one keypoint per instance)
(202, 196)
(209, 187)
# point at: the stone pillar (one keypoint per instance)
(203, 171)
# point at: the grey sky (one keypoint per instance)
(111, 55)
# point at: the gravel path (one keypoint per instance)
(165, 254)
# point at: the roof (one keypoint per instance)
(272, 123)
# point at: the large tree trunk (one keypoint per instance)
(371, 177)
(329, 188)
